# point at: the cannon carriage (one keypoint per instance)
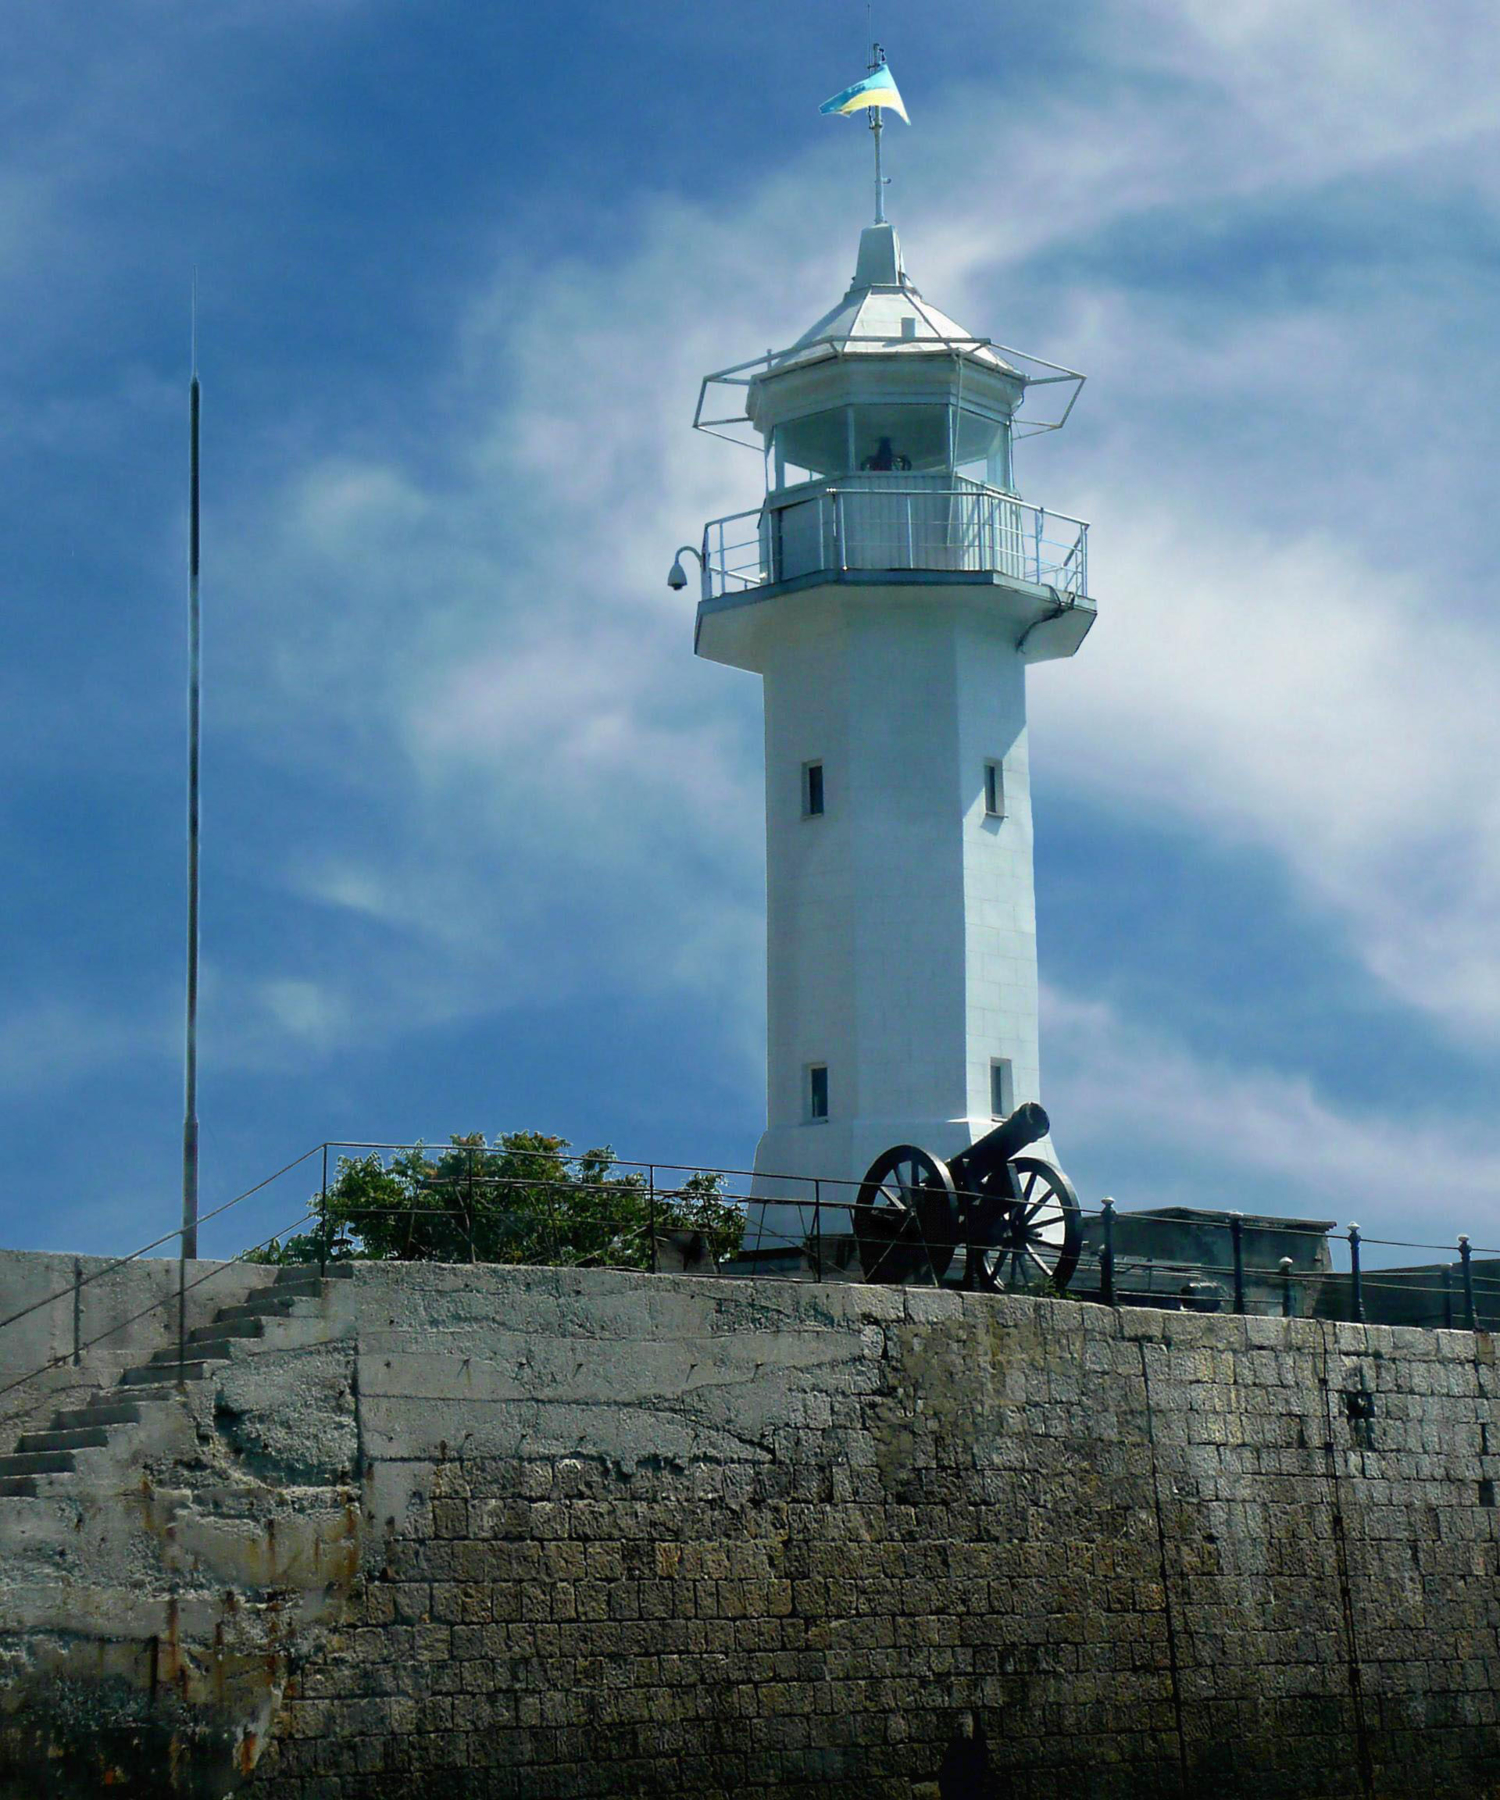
(991, 1217)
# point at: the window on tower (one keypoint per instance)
(812, 790)
(994, 790)
(817, 1091)
(1002, 1095)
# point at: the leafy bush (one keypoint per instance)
(522, 1199)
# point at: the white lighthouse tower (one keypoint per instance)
(890, 590)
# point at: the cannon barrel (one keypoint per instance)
(973, 1167)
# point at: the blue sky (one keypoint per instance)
(483, 840)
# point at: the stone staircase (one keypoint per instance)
(40, 1457)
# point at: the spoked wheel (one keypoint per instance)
(1038, 1237)
(905, 1218)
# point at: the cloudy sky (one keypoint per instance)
(483, 840)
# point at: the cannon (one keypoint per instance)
(1015, 1217)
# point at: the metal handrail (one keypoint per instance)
(814, 1201)
(871, 524)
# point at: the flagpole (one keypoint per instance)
(195, 670)
(877, 126)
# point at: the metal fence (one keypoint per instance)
(578, 1211)
(1179, 1259)
(869, 523)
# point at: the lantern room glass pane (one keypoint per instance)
(809, 448)
(895, 440)
(983, 449)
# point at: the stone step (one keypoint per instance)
(249, 1325)
(270, 1305)
(199, 1350)
(18, 1487)
(77, 1437)
(332, 1271)
(162, 1376)
(106, 1409)
(156, 1391)
(295, 1290)
(38, 1462)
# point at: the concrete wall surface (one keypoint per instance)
(610, 1534)
(91, 1316)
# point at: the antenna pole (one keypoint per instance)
(195, 674)
(877, 127)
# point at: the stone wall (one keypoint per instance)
(628, 1536)
(631, 1535)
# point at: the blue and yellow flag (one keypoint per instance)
(877, 89)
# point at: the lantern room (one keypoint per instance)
(885, 385)
(888, 433)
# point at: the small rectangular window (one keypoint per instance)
(817, 1091)
(994, 790)
(812, 790)
(1002, 1097)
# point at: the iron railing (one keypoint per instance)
(869, 523)
(803, 1230)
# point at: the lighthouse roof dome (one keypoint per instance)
(884, 314)
(882, 342)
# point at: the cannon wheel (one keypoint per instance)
(904, 1215)
(1040, 1235)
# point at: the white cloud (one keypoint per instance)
(1355, 80)
(45, 1043)
(306, 1011)
(1288, 695)
(1127, 1097)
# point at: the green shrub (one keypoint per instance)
(522, 1199)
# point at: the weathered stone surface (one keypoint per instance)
(630, 1535)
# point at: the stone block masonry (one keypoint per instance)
(633, 1535)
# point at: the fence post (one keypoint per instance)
(817, 1229)
(551, 1190)
(1287, 1299)
(1447, 1296)
(182, 1308)
(1356, 1278)
(471, 1204)
(323, 1220)
(651, 1210)
(1107, 1254)
(1465, 1250)
(77, 1311)
(1237, 1240)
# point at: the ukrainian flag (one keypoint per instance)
(877, 89)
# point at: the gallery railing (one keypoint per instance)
(941, 525)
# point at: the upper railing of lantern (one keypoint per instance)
(729, 387)
(868, 523)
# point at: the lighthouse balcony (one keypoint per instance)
(910, 526)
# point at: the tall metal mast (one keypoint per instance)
(877, 57)
(195, 672)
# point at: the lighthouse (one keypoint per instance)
(890, 589)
